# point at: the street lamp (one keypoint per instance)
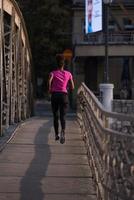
(106, 23)
(106, 89)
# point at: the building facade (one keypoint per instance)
(89, 49)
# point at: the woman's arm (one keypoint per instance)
(71, 84)
(50, 82)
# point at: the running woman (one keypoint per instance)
(58, 84)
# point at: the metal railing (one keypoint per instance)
(99, 38)
(110, 152)
(15, 66)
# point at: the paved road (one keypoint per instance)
(33, 166)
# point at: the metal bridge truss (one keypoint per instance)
(15, 66)
(111, 152)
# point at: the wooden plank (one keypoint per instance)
(35, 165)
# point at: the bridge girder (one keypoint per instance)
(15, 66)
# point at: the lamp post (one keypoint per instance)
(106, 22)
(106, 89)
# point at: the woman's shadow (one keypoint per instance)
(31, 186)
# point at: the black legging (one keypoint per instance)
(59, 102)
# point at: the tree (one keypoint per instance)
(49, 27)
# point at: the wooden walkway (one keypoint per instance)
(33, 166)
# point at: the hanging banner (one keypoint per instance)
(93, 15)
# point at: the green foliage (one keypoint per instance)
(49, 27)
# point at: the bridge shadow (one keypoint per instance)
(31, 183)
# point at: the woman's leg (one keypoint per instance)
(63, 110)
(55, 107)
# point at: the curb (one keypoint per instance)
(9, 133)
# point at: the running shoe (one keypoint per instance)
(62, 137)
(57, 137)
